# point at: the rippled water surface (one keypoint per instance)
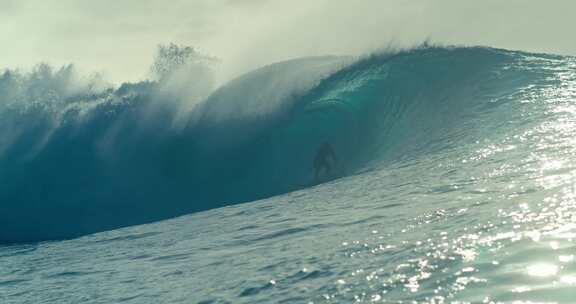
(485, 213)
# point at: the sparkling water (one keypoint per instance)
(464, 194)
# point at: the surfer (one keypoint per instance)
(324, 161)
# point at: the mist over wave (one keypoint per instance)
(78, 156)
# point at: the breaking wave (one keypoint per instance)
(77, 156)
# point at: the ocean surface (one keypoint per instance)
(455, 182)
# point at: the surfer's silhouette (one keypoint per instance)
(324, 161)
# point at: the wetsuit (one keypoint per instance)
(324, 161)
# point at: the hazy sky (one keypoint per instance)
(119, 37)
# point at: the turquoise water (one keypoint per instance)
(457, 186)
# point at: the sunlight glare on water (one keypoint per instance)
(481, 208)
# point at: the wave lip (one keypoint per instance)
(74, 162)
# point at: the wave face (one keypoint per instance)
(77, 158)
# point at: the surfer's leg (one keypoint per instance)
(317, 171)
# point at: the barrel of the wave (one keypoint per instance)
(119, 166)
